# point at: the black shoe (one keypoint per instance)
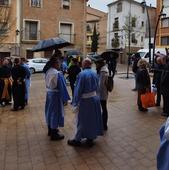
(73, 142)
(105, 128)
(49, 131)
(165, 114)
(143, 109)
(3, 104)
(55, 135)
(89, 142)
(134, 89)
(14, 109)
(22, 107)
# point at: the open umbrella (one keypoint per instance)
(50, 44)
(107, 55)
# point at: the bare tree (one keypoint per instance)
(6, 22)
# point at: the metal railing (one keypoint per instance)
(68, 37)
(30, 36)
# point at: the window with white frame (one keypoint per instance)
(119, 7)
(165, 22)
(66, 32)
(36, 3)
(31, 30)
(66, 4)
(4, 2)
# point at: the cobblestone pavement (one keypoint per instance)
(130, 143)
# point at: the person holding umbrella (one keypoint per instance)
(56, 96)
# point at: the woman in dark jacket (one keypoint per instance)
(165, 86)
(143, 82)
(157, 78)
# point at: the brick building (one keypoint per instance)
(162, 38)
(41, 19)
(98, 18)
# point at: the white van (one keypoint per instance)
(144, 53)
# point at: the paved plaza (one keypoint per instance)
(131, 142)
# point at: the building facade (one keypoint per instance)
(127, 26)
(99, 19)
(42, 19)
(162, 38)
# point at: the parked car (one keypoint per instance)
(144, 53)
(36, 64)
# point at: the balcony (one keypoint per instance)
(4, 2)
(116, 26)
(68, 37)
(30, 36)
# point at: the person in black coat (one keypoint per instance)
(73, 71)
(157, 78)
(18, 87)
(135, 58)
(165, 86)
(143, 82)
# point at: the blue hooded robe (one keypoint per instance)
(89, 119)
(56, 96)
(163, 153)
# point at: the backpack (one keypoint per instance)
(110, 83)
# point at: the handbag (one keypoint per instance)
(148, 100)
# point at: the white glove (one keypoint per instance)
(76, 109)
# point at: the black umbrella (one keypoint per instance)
(107, 55)
(50, 44)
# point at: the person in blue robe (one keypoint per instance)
(87, 104)
(163, 153)
(27, 79)
(56, 96)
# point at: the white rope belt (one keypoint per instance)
(52, 90)
(88, 95)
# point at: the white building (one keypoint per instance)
(126, 16)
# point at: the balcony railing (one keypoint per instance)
(4, 2)
(68, 37)
(30, 36)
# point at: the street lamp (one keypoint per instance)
(155, 33)
(149, 28)
(17, 50)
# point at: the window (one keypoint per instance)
(133, 39)
(142, 38)
(66, 32)
(165, 40)
(133, 22)
(29, 54)
(143, 9)
(116, 23)
(119, 7)
(36, 3)
(31, 30)
(3, 28)
(66, 4)
(165, 22)
(142, 23)
(4, 2)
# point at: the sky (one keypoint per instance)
(102, 4)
